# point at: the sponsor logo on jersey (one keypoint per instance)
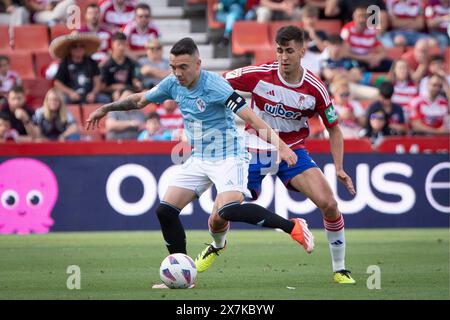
(280, 111)
(233, 74)
(331, 114)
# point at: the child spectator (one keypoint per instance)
(377, 126)
(6, 132)
(8, 78)
(153, 130)
(54, 121)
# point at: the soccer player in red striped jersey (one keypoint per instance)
(285, 95)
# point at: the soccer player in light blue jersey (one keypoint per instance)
(207, 103)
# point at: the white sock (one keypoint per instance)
(336, 240)
(219, 236)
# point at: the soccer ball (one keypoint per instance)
(178, 271)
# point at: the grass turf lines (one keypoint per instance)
(258, 264)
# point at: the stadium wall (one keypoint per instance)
(117, 186)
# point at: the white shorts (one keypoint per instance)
(230, 174)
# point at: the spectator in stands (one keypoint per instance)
(350, 112)
(20, 114)
(140, 31)
(124, 125)
(361, 43)
(54, 121)
(92, 17)
(377, 126)
(337, 64)
(6, 132)
(120, 72)
(171, 119)
(344, 9)
(407, 22)
(430, 112)
(154, 67)
(436, 66)
(228, 12)
(250, 9)
(153, 130)
(418, 59)
(272, 10)
(13, 13)
(404, 87)
(78, 75)
(309, 15)
(394, 112)
(437, 14)
(116, 14)
(49, 12)
(8, 78)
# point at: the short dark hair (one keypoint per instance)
(93, 5)
(5, 58)
(184, 46)
(119, 36)
(288, 33)
(17, 89)
(153, 115)
(360, 7)
(386, 89)
(436, 57)
(143, 6)
(335, 39)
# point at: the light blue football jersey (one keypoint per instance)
(207, 111)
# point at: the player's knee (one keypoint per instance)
(226, 212)
(165, 212)
(329, 208)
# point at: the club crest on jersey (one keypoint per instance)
(201, 105)
(233, 74)
(279, 110)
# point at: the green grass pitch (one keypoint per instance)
(258, 264)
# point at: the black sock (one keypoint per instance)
(255, 214)
(171, 227)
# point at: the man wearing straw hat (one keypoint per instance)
(78, 76)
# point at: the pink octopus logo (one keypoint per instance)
(28, 193)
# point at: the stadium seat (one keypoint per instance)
(447, 59)
(316, 126)
(58, 30)
(22, 63)
(31, 38)
(275, 25)
(35, 90)
(91, 135)
(264, 55)
(212, 22)
(42, 60)
(249, 36)
(329, 26)
(394, 53)
(4, 38)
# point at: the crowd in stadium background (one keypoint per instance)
(392, 78)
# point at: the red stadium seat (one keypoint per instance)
(394, 53)
(58, 30)
(264, 55)
(275, 25)
(42, 61)
(329, 26)
(22, 63)
(31, 38)
(212, 22)
(249, 36)
(447, 59)
(91, 135)
(35, 90)
(4, 38)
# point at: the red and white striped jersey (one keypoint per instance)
(360, 43)
(404, 92)
(113, 16)
(438, 10)
(172, 120)
(137, 38)
(432, 113)
(404, 9)
(283, 106)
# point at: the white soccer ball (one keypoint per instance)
(178, 271)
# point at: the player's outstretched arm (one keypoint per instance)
(266, 133)
(134, 101)
(337, 151)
